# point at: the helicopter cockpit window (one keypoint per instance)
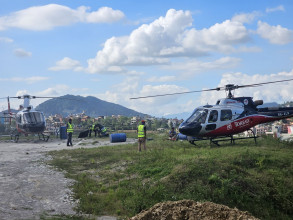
(213, 116)
(226, 115)
(33, 117)
(199, 115)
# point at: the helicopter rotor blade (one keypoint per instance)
(36, 97)
(44, 97)
(177, 93)
(260, 84)
(228, 87)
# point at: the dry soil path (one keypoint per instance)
(28, 187)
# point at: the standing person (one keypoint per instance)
(69, 132)
(95, 130)
(92, 129)
(141, 134)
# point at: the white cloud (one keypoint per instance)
(121, 92)
(21, 92)
(193, 66)
(220, 37)
(6, 40)
(246, 17)
(278, 8)
(276, 92)
(130, 87)
(159, 105)
(143, 46)
(104, 15)
(47, 17)
(57, 90)
(28, 80)
(167, 37)
(67, 64)
(275, 34)
(22, 53)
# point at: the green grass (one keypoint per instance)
(118, 180)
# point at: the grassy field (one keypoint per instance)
(119, 181)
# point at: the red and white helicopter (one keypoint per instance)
(28, 120)
(229, 116)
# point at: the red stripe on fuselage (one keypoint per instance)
(241, 125)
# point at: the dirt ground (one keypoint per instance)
(28, 187)
(191, 210)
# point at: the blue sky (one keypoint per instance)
(115, 50)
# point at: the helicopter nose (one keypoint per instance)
(190, 129)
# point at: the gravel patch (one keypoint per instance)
(29, 188)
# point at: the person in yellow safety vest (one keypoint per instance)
(69, 132)
(104, 130)
(141, 134)
(92, 129)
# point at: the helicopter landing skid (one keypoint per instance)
(231, 139)
(44, 137)
(14, 136)
(216, 140)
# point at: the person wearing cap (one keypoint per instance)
(141, 134)
(69, 132)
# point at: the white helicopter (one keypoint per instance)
(28, 120)
(229, 116)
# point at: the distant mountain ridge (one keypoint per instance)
(269, 104)
(183, 115)
(91, 106)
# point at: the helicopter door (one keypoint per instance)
(19, 121)
(212, 120)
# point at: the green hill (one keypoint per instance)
(91, 106)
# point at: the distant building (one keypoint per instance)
(135, 120)
(85, 118)
(173, 122)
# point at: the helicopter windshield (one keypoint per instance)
(199, 115)
(33, 117)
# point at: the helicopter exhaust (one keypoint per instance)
(258, 102)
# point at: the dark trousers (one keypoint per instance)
(90, 132)
(69, 138)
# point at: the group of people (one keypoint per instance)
(97, 128)
(101, 130)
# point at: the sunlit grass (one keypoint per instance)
(120, 181)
